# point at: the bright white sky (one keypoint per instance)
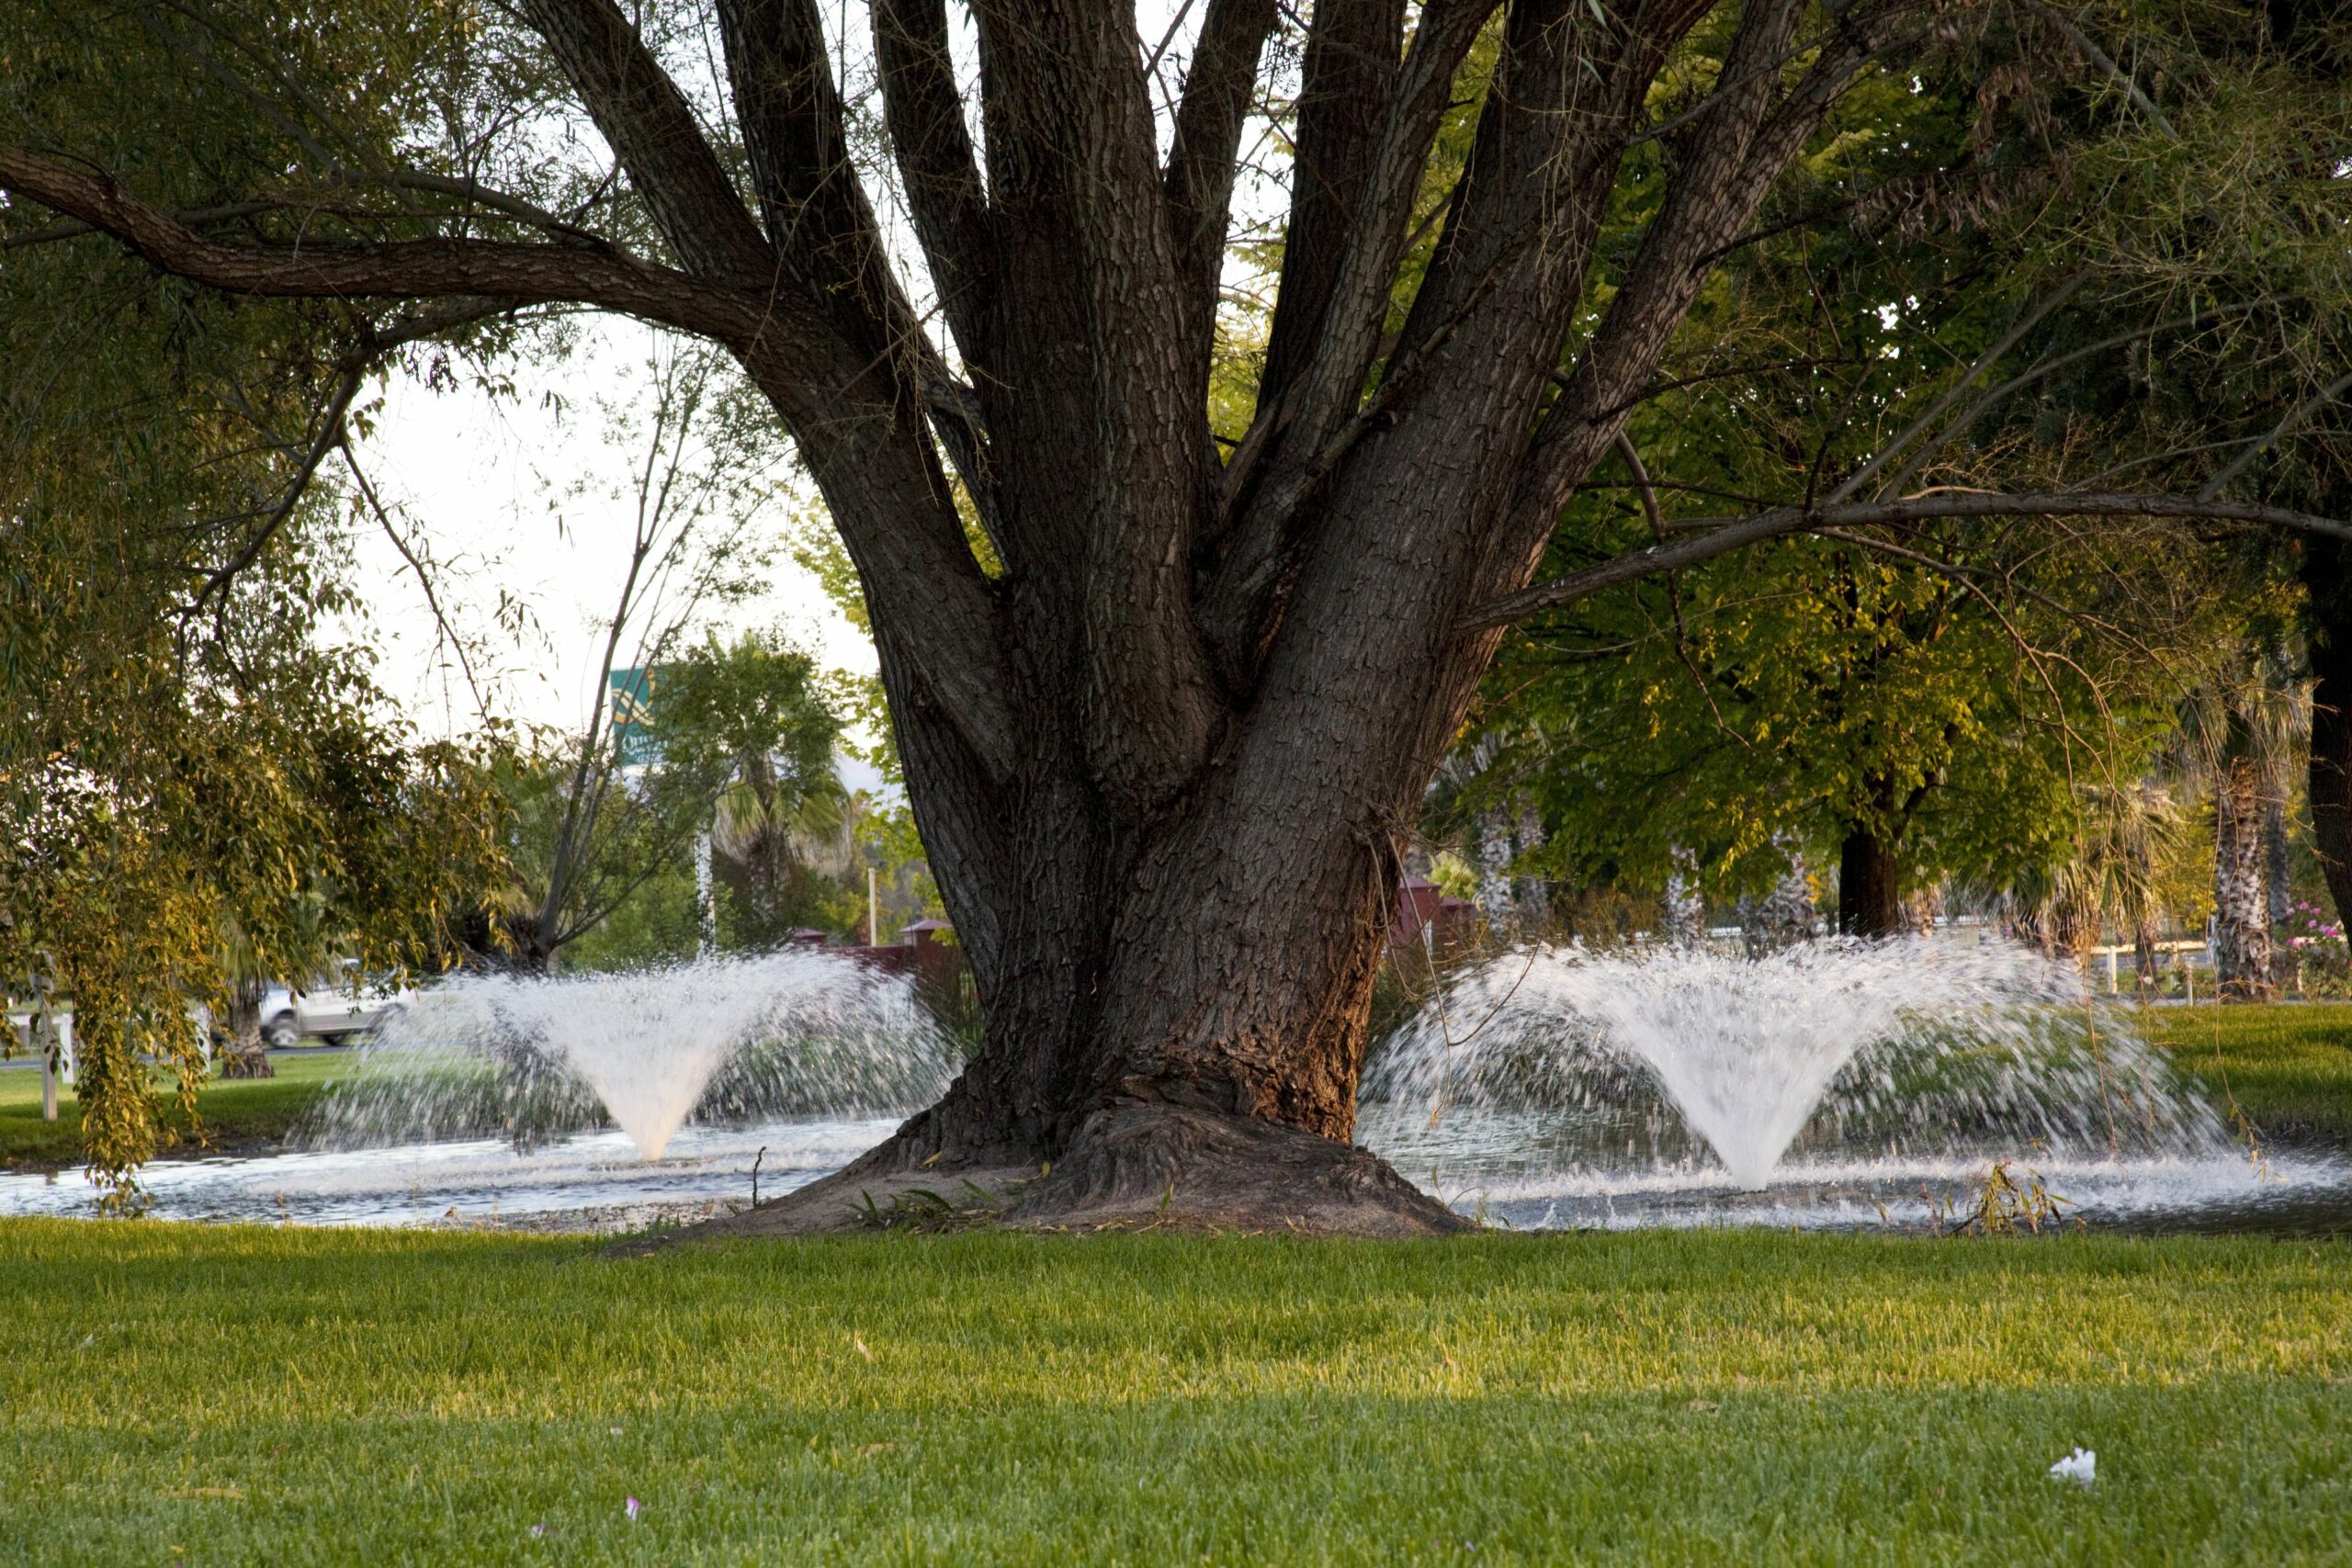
(496, 482)
(494, 485)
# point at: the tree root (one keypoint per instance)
(1173, 1165)
(1141, 1166)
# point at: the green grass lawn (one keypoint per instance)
(235, 1112)
(2289, 1064)
(253, 1395)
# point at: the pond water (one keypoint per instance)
(595, 1180)
(1833, 1087)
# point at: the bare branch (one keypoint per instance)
(433, 268)
(1218, 91)
(441, 621)
(1734, 534)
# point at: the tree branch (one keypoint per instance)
(1348, 78)
(1352, 208)
(1339, 268)
(1782, 520)
(435, 269)
(653, 130)
(1748, 142)
(2292, 418)
(2100, 57)
(417, 568)
(818, 218)
(327, 434)
(1219, 92)
(925, 111)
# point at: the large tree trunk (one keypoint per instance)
(1176, 1012)
(2240, 902)
(2330, 640)
(1869, 886)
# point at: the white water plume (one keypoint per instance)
(1909, 1046)
(798, 1033)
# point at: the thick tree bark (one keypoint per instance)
(1869, 886)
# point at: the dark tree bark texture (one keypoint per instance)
(2329, 629)
(1869, 886)
(1163, 762)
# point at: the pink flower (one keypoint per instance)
(635, 1508)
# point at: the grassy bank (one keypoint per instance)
(283, 1396)
(236, 1113)
(2287, 1064)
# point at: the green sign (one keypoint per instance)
(632, 718)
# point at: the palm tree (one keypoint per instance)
(775, 824)
(2244, 729)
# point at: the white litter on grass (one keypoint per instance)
(2081, 1466)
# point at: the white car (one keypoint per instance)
(332, 1013)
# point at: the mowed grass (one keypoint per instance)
(235, 1112)
(2289, 1066)
(256, 1395)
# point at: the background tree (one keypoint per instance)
(2018, 292)
(753, 713)
(604, 813)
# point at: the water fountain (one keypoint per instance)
(1832, 1085)
(802, 1033)
(1822, 1084)
(600, 1100)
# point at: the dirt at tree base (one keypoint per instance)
(1135, 1168)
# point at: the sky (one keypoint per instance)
(522, 502)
